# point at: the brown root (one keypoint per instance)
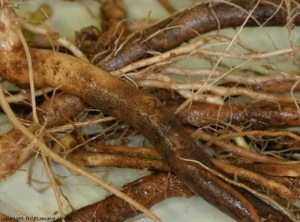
(147, 114)
(92, 159)
(272, 185)
(119, 99)
(148, 191)
(189, 23)
(260, 115)
(16, 149)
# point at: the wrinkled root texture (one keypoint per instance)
(142, 111)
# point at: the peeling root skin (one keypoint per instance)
(142, 111)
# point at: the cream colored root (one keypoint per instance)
(213, 99)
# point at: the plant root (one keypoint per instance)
(15, 149)
(148, 191)
(259, 115)
(117, 98)
(96, 154)
(121, 100)
(91, 159)
(192, 22)
(271, 185)
(47, 152)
